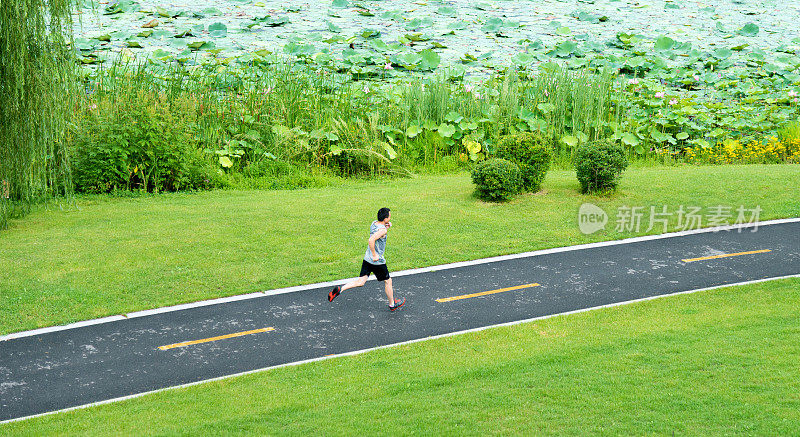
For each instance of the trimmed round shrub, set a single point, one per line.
(532, 152)
(497, 179)
(599, 165)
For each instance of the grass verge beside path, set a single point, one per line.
(120, 255)
(715, 362)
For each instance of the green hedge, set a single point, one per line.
(497, 179)
(599, 165)
(532, 152)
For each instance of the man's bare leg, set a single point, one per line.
(389, 291)
(359, 282)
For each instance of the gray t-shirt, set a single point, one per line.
(380, 244)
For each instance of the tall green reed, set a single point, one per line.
(324, 118)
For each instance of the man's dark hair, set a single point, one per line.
(383, 213)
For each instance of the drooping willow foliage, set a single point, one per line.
(37, 95)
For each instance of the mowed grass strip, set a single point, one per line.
(117, 255)
(715, 362)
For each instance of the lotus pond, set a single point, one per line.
(663, 77)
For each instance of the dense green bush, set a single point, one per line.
(275, 174)
(532, 152)
(271, 168)
(599, 165)
(497, 179)
(446, 164)
(134, 146)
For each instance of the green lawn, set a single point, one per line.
(709, 363)
(117, 255)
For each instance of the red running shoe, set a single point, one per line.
(397, 305)
(335, 292)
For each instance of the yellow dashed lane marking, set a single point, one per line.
(484, 293)
(688, 260)
(221, 337)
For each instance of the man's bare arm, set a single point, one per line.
(376, 236)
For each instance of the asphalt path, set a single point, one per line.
(74, 367)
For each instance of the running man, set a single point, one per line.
(373, 261)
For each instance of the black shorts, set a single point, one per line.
(380, 270)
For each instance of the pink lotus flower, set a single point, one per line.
(792, 93)
(673, 102)
(796, 100)
(388, 66)
(633, 81)
(660, 95)
(546, 94)
(696, 78)
(468, 88)
(366, 89)
(94, 106)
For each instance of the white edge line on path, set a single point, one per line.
(61, 328)
(194, 304)
(394, 274)
(434, 337)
